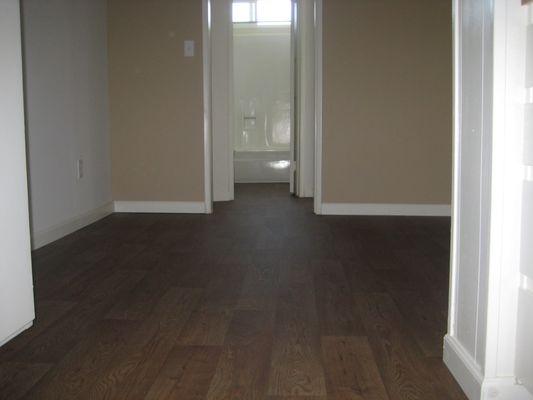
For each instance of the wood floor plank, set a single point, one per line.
(190, 270)
(242, 371)
(443, 383)
(51, 345)
(298, 398)
(134, 368)
(16, 379)
(376, 252)
(75, 288)
(351, 369)
(258, 291)
(362, 278)
(398, 357)
(241, 374)
(138, 304)
(46, 314)
(334, 302)
(191, 369)
(296, 363)
(422, 317)
(74, 375)
(226, 284)
(206, 327)
(186, 373)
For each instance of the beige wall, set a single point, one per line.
(156, 100)
(387, 101)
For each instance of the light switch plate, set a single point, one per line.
(188, 48)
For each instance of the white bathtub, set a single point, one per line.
(267, 166)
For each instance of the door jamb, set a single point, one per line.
(318, 105)
(207, 89)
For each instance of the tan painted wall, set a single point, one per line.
(156, 100)
(387, 101)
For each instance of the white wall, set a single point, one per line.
(480, 346)
(65, 49)
(16, 289)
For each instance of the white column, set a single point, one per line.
(222, 81)
(490, 212)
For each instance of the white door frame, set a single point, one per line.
(293, 93)
(207, 85)
(318, 105)
(207, 89)
(222, 101)
(305, 111)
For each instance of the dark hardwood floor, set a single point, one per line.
(261, 300)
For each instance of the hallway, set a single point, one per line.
(261, 300)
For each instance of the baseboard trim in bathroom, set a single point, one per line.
(425, 210)
(163, 207)
(44, 237)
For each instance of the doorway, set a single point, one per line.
(263, 77)
(263, 91)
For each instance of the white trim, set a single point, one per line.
(456, 156)
(231, 108)
(208, 152)
(44, 237)
(16, 333)
(435, 210)
(168, 207)
(468, 374)
(305, 112)
(318, 106)
(293, 82)
(222, 109)
(463, 367)
(505, 388)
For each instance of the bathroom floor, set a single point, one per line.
(261, 300)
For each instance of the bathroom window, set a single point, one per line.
(262, 12)
(243, 11)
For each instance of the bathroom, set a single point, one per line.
(262, 121)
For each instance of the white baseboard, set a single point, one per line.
(44, 237)
(16, 333)
(165, 207)
(467, 373)
(463, 367)
(504, 389)
(421, 210)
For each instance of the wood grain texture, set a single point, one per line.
(16, 379)
(261, 300)
(352, 372)
(397, 355)
(334, 301)
(186, 373)
(136, 365)
(242, 372)
(296, 367)
(80, 367)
